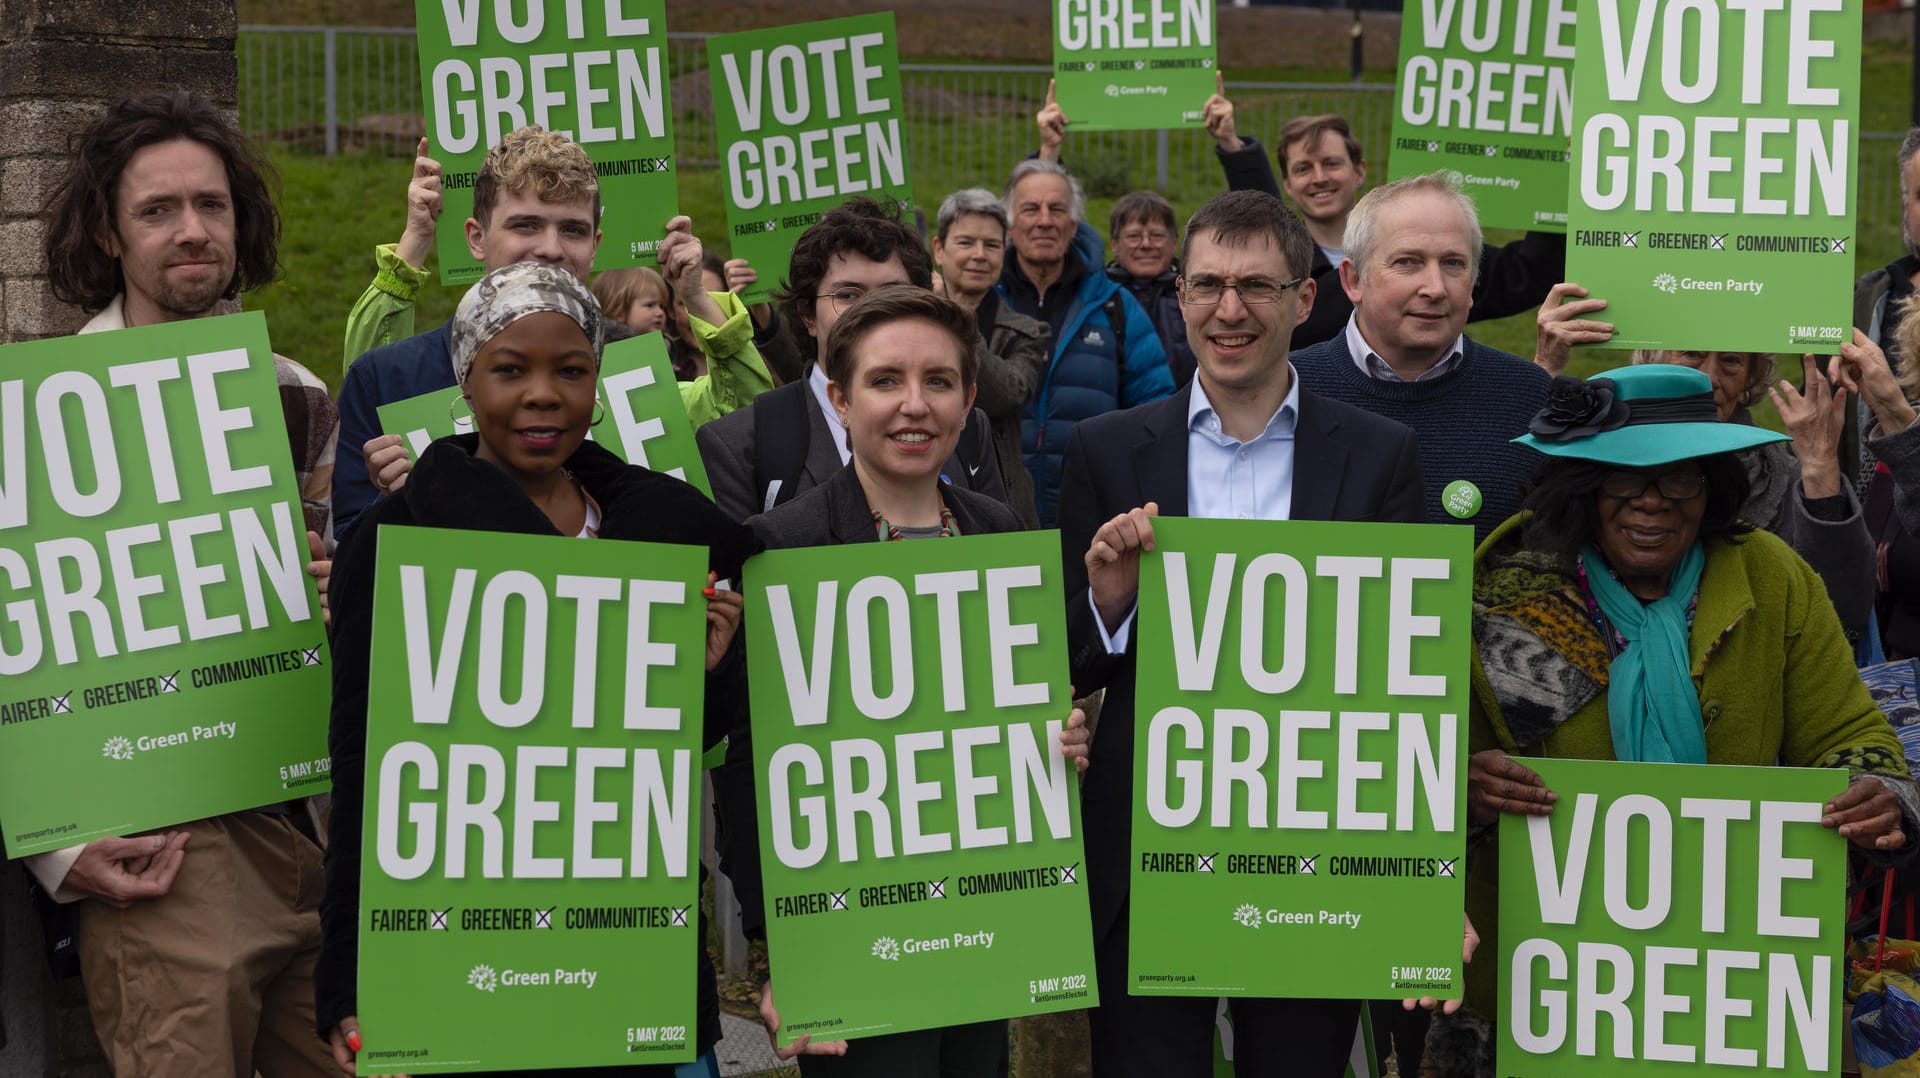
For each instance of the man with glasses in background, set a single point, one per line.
(1144, 235)
(1244, 439)
(1413, 249)
(790, 439)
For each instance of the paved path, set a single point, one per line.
(743, 1047)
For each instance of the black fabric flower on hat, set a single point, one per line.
(1578, 409)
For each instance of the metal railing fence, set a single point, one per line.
(330, 89)
(334, 88)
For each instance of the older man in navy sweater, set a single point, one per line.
(1413, 249)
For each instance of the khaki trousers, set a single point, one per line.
(215, 977)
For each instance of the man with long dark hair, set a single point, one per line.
(197, 943)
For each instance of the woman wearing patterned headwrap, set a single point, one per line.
(526, 353)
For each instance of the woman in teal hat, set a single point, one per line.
(1628, 613)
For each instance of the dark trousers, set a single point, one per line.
(971, 1051)
(1396, 1029)
(1172, 1036)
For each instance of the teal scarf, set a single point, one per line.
(1651, 702)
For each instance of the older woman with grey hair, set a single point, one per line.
(525, 347)
(969, 249)
(1797, 491)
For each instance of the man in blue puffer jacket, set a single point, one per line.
(1106, 353)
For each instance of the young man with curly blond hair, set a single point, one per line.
(536, 199)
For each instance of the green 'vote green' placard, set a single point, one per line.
(1486, 94)
(529, 879)
(1129, 64)
(1714, 154)
(643, 420)
(161, 650)
(805, 116)
(1299, 760)
(595, 72)
(1670, 919)
(919, 825)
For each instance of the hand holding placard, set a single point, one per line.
(723, 619)
(1499, 783)
(1866, 814)
(423, 210)
(1862, 370)
(1052, 122)
(1113, 562)
(387, 462)
(1469, 943)
(802, 1045)
(1562, 323)
(1814, 416)
(1218, 114)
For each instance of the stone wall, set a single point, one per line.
(60, 61)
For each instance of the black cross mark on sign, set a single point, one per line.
(543, 918)
(63, 705)
(170, 682)
(1306, 864)
(936, 888)
(311, 656)
(1067, 873)
(680, 916)
(1630, 239)
(1206, 862)
(837, 901)
(437, 919)
(1446, 868)
(1717, 243)
(1838, 247)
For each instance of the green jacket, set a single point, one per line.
(735, 372)
(1775, 675)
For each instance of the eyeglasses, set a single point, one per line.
(1136, 238)
(1254, 292)
(843, 297)
(1676, 486)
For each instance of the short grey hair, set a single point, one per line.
(969, 201)
(1033, 166)
(1908, 147)
(1362, 230)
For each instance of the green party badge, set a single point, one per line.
(1461, 499)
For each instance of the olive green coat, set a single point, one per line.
(1774, 672)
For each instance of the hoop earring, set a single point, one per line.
(600, 412)
(454, 418)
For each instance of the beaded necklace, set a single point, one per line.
(887, 533)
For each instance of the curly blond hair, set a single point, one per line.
(1906, 337)
(546, 164)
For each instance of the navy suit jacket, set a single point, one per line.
(1348, 464)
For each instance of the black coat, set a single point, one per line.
(451, 488)
(1348, 465)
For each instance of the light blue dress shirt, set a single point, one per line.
(1228, 479)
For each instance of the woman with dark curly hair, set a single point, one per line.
(1628, 613)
